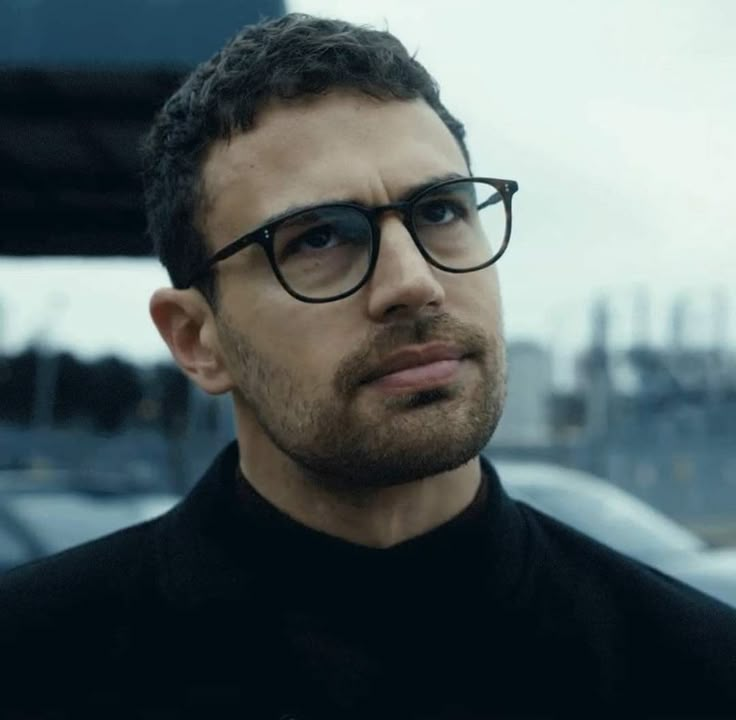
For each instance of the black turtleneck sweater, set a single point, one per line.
(401, 627)
(225, 607)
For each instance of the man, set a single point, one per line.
(351, 555)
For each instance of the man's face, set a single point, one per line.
(298, 369)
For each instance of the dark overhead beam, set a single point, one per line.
(80, 243)
(84, 199)
(42, 93)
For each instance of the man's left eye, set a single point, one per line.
(438, 212)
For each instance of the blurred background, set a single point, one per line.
(617, 121)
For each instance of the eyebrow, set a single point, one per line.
(403, 197)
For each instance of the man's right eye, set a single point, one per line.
(313, 240)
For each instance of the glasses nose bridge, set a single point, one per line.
(401, 208)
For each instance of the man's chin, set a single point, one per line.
(395, 456)
(411, 437)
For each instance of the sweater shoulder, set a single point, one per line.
(643, 621)
(100, 574)
(568, 558)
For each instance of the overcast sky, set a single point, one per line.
(618, 120)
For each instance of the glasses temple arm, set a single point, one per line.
(493, 200)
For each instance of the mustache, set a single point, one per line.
(359, 365)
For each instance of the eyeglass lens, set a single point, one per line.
(325, 252)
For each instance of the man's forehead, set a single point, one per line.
(342, 146)
(327, 136)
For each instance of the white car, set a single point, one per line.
(623, 522)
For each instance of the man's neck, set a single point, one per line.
(375, 517)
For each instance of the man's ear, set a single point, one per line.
(186, 323)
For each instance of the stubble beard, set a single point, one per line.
(342, 445)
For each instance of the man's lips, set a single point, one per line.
(417, 365)
(435, 373)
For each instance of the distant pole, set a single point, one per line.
(601, 324)
(2, 329)
(642, 318)
(598, 393)
(720, 321)
(47, 363)
(677, 324)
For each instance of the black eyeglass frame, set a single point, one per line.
(264, 234)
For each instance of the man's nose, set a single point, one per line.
(403, 282)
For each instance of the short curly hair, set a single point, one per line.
(290, 57)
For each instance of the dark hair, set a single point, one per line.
(292, 56)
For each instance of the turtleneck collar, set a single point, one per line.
(225, 538)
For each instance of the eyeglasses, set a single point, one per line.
(327, 252)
